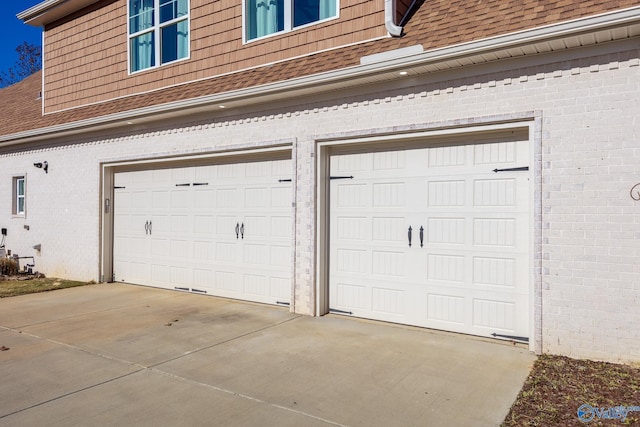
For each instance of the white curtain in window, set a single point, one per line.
(266, 17)
(183, 39)
(141, 15)
(141, 18)
(142, 52)
(327, 8)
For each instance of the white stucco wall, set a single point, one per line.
(586, 242)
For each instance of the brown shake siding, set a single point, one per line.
(86, 54)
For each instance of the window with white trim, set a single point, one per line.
(265, 17)
(158, 32)
(19, 196)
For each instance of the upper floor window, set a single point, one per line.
(19, 196)
(158, 32)
(264, 17)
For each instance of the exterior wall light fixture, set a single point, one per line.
(44, 165)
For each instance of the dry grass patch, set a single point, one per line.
(557, 386)
(14, 287)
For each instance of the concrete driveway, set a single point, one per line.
(112, 355)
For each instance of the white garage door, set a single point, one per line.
(433, 237)
(223, 230)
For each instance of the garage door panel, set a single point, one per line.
(281, 197)
(495, 153)
(352, 261)
(229, 281)
(226, 225)
(256, 197)
(222, 229)
(160, 275)
(205, 199)
(226, 198)
(226, 252)
(281, 227)
(203, 251)
(257, 227)
(494, 232)
(467, 272)
(387, 229)
(388, 263)
(446, 193)
(204, 225)
(446, 308)
(281, 288)
(352, 196)
(257, 285)
(158, 247)
(494, 271)
(161, 200)
(445, 230)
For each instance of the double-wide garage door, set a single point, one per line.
(436, 236)
(220, 229)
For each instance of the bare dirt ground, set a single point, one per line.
(566, 392)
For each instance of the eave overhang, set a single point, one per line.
(623, 24)
(50, 11)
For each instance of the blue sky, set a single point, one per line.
(13, 32)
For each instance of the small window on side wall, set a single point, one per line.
(19, 196)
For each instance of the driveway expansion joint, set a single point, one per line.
(237, 337)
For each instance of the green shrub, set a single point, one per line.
(8, 266)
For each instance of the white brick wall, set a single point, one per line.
(586, 230)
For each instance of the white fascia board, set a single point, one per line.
(320, 81)
(51, 10)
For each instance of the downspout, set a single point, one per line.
(389, 13)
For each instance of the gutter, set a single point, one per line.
(389, 18)
(322, 80)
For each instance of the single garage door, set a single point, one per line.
(436, 236)
(220, 229)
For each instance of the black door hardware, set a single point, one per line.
(242, 231)
(335, 310)
(237, 230)
(341, 177)
(421, 236)
(522, 168)
(409, 234)
(510, 337)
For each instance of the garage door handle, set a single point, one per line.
(242, 231)
(409, 234)
(150, 227)
(146, 227)
(237, 230)
(421, 236)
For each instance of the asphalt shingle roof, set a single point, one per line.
(436, 24)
